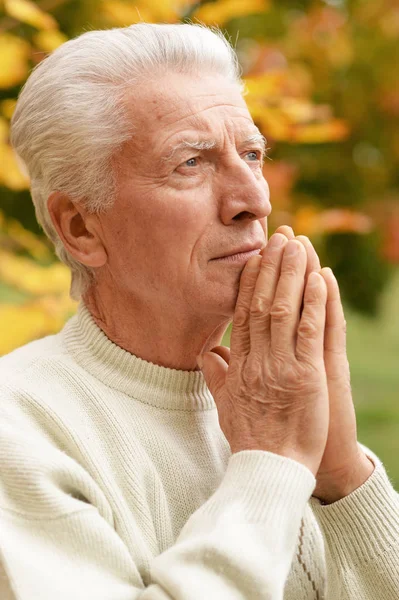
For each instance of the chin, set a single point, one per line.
(224, 304)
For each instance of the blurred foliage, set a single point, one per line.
(322, 85)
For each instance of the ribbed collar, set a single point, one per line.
(165, 388)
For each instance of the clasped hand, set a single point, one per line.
(284, 384)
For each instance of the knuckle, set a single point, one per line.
(308, 328)
(269, 261)
(260, 306)
(240, 317)
(281, 311)
(252, 376)
(289, 267)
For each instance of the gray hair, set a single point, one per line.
(70, 119)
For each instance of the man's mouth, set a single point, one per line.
(239, 258)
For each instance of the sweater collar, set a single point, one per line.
(147, 382)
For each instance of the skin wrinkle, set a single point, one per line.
(211, 144)
(157, 291)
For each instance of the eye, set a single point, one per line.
(191, 162)
(254, 155)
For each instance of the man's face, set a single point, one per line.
(178, 207)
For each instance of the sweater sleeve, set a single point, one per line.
(361, 534)
(58, 540)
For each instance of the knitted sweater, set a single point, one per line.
(117, 483)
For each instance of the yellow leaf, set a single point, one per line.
(341, 51)
(14, 56)
(274, 124)
(314, 133)
(224, 10)
(27, 240)
(21, 324)
(121, 13)
(298, 111)
(306, 221)
(30, 321)
(267, 86)
(168, 11)
(10, 173)
(8, 107)
(49, 40)
(30, 13)
(28, 276)
(4, 129)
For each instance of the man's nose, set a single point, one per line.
(243, 193)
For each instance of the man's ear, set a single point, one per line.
(75, 226)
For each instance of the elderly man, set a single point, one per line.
(126, 470)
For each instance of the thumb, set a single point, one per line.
(214, 369)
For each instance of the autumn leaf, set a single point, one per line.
(26, 240)
(28, 276)
(28, 12)
(10, 173)
(14, 56)
(123, 13)
(32, 320)
(309, 221)
(267, 86)
(8, 107)
(334, 130)
(220, 12)
(49, 40)
(4, 130)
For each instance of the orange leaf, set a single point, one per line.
(319, 133)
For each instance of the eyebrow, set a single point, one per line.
(210, 144)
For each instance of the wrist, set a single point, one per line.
(349, 481)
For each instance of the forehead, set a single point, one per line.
(177, 104)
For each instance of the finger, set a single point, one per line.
(223, 351)
(313, 263)
(286, 230)
(264, 293)
(311, 329)
(335, 335)
(240, 339)
(214, 369)
(286, 307)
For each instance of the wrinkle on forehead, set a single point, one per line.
(186, 94)
(177, 104)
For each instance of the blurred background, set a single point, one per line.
(323, 86)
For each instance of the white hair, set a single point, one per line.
(70, 119)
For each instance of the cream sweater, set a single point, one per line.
(117, 483)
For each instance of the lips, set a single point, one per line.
(241, 250)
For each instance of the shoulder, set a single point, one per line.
(29, 358)
(35, 384)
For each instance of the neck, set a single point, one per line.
(166, 337)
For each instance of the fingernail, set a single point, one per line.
(200, 362)
(276, 241)
(292, 248)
